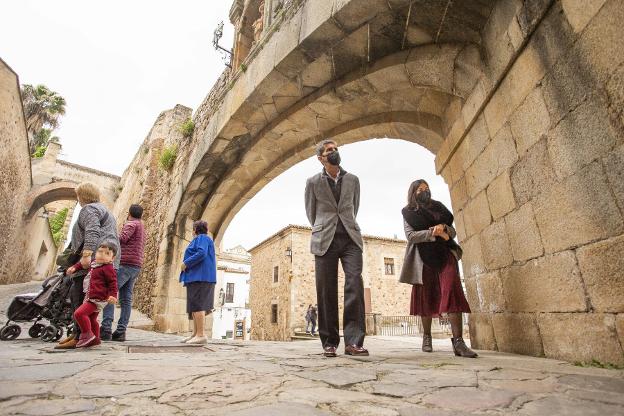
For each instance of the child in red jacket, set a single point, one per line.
(100, 287)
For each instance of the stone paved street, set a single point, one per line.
(153, 374)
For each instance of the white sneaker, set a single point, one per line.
(184, 341)
(197, 340)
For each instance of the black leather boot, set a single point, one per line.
(461, 349)
(427, 345)
(119, 336)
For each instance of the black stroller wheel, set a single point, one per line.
(51, 333)
(36, 330)
(59, 334)
(10, 332)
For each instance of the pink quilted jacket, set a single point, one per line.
(132, 239)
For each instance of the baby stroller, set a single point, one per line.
(51, 303)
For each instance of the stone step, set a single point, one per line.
(302, 338)
(304, 334)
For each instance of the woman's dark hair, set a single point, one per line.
(200, 227)
(412, 202)
(136, 211)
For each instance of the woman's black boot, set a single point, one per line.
(427, 344)
(461, 349)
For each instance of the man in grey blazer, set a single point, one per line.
(332, 199)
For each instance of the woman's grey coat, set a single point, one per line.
(411, 272)
(92, 229)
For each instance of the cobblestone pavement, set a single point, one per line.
(153, 374)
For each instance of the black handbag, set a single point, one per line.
(68, 257)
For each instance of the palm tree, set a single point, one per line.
(42, 108)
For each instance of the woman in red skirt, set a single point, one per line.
(430, 265)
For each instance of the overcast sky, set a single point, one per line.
(120, 63)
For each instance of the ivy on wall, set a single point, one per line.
(168, 157)
(56, 225)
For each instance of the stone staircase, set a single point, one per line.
(301, 335)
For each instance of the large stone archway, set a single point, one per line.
(520, 102)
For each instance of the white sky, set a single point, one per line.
(120, 63)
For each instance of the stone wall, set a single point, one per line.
(536, 183)
(146, 183)
(296, 288)
(15, 180)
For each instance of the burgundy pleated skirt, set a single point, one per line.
(441, 291)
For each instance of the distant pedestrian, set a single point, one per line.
(132, 241)
(199, 276)
(430, 265)
(313, 318)
(332, 199)
(310, 318)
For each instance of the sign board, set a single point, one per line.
(239, 329)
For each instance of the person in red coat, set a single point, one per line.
(100, 287)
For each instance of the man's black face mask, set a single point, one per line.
(334, 158)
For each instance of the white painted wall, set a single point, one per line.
(226, 314)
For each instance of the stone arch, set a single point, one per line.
(406, 126)
(309, 67)
(393, 97)
(55, 191)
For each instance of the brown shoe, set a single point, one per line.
(461, 349)
(355, 350)
(329, 351)
(63, 341)
(69, 345)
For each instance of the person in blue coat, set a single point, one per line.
(199, 276)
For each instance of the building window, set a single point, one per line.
(389, 265)
(273, 314)
(275, 274)
(229, 293)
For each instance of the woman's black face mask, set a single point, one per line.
(424, 196)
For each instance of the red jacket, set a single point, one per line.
(132, 239)
(103, 282)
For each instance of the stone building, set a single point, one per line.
(283, 285)
(231, 318)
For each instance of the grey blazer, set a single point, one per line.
(323, 211)
(411, 272)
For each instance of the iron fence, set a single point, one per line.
(393, 325)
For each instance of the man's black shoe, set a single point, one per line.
(106, 336)
(119, 336)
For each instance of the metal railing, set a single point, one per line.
(404, 325)
(393, 325)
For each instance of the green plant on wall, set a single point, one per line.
(39, 151)
(56, 225)
(187, 128)
(168, 157)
